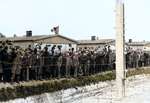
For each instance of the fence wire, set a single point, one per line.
(102, 92)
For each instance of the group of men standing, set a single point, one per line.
(137, 58)
(24, 65)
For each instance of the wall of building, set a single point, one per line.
(136, 47)
(111, 43)
(23, 44)
(89, 46)
(55, 40)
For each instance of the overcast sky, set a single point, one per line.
(78, 19)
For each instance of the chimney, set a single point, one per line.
(97, 38)
(130, 40)
(28, 33)
(143, 40)
(92, 37)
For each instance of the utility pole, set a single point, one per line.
(120, 50)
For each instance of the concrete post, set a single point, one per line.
(120, 49)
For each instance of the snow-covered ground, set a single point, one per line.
(137, 90)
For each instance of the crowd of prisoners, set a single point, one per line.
(17, 64)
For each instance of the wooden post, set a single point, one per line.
(120, 50)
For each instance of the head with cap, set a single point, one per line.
(5, 48)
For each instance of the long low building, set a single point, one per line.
(24, 42)
(139, 45)
(57, 39)
(82, 44)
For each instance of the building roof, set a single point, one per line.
(34, 38)
(100, 41)
(137, 43)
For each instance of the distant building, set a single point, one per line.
(58, 39)
(82, 44)
(139, 45)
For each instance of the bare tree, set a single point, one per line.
(2, 36)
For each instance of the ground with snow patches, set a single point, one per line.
(137, 91)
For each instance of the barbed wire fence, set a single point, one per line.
(103, 91)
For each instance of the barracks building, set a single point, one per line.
(57, 39)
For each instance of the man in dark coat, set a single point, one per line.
(1, 68)
(146, 55)
(32, 66)
(100, 63)
(24, 65)
(8, 56)
(47, 64)
(127, 59)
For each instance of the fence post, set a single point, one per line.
(120, 50)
